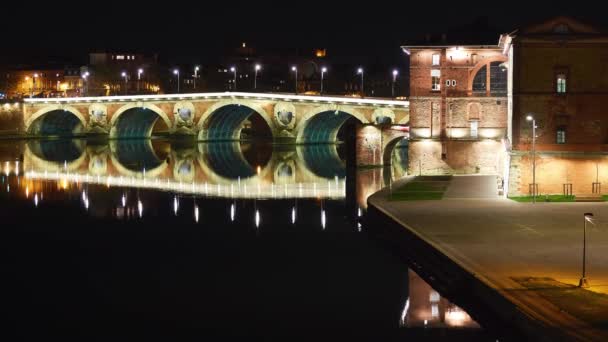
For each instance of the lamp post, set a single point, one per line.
(360, 72)
(126, 77)
(196, 69)
(531, 118)
(255, 77)
(395, 73)
(233, 69)
(85, 78)
(139, 72)
(295, 69)
(323, 71)
(34, 84)
(176, 72)
(586, 217)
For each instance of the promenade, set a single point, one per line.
(502, 243)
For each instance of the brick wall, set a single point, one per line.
(462, 157)
(555, 169)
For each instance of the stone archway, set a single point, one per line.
(139, 121)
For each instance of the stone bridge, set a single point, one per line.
(209, 116)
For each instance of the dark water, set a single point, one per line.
(155, 239)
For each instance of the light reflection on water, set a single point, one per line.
(219, 187)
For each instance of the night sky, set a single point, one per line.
(182, 32)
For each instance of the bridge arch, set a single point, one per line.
(224, 120)
(136, 121)
(56, 120)
(136, 158)
(322, 124)
(55, 155)
(391, 145)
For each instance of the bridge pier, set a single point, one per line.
(375, 143)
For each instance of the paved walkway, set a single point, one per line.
(497, 239)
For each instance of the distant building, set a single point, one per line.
(43, 82)
(123, 72)
(458, 107)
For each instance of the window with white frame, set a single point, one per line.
(561, 135)
(447, 83)
(436, 59)
(453, 83)
(435, 79)
(561, 83)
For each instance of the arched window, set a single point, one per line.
(479, 82)
(498, 77)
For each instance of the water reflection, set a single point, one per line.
(216, 169)
(216, 221)
(426, 308)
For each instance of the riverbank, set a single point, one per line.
(474, 242)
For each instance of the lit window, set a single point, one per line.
(436, 59)
(561, 83)
(435, 75)
(453, 83)
(120, 57)
(474, 128)
(561, 135)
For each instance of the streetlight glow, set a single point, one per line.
(323, 71)
(255, 77)
(295, 69)
(176, 72)
(233, 70)
(360, 72)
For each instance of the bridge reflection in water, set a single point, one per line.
(230, 169)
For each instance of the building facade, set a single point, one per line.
(559, 79)
(458, 108)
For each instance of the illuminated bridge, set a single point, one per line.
(209, 116)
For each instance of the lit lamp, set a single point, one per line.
(531, 118)
(85, 77)
(233, 70)
(126, 77)
(176, 72)
(360, 72)
(295, 69)
(196, 69)
(588, 217)
(139, 72)
(255, 78)
(395, 73)
(323, 71)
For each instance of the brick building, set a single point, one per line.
(458, 107)
(560, 78)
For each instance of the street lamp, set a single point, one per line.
(255, 77)
(34, 84)
(85, 77)
(176, 72)
(395, 73)
(587, 217)
(196, 69)
(323, 71)
(139, 72)
(360, 72)
(531, 118)
(233, 69)
(126, 77)
(295, 69)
